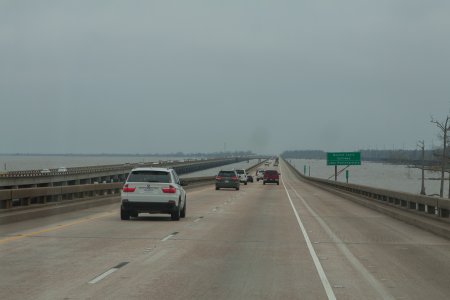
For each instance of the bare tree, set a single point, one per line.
(444, 127)
(421, 145)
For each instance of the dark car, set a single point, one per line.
(227, 179)
(271, 176)
(249, 178)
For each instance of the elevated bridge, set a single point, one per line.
(304, 239)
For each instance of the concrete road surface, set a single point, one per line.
(292, 241)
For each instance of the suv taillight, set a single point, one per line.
(218, 178)
(234, 178)
(169, 190)
(127, 189)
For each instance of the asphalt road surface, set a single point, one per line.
(292, 241)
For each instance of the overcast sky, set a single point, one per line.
(167, 76)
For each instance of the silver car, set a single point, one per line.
(154, 191)
(259, 174)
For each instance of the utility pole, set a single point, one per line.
(421, 145)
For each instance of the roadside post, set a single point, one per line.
(346, 175)
(304, 170)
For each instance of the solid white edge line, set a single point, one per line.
(312, 252)
(351, 258)
(102, 276)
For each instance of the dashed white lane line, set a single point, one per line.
(107, 273)
(103, 276)
(169, 236)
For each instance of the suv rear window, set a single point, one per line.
(149, 176)
(240, 171)
(271, 172)
(227, 173)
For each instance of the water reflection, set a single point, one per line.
(385, 176)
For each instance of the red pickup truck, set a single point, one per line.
(271, 176)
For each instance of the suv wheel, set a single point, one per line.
(217, 188)
(124, 215)
(183, 211)
(245, 183)
(175, 216)
(264, 182)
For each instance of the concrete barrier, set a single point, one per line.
(428, 213)
(65, 199)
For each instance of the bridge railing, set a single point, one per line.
(26, 197)
(112, 168)
(426, 204)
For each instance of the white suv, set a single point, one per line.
(154, 191)
(242, 176)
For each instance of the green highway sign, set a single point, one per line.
(343, 158)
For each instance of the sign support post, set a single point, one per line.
(341, 159)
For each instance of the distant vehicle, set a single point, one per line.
(259, 174)
(242, 176)
(275, 164)
(271, 176)
(249, 178)
(153, 191)
(62, 169)
(227, 179)
(267, 163)
(45, 171)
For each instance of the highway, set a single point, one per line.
(292, 241)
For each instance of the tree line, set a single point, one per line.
(388, 156)
(421, 158)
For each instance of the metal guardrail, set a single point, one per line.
(42, 195)
(426, 204)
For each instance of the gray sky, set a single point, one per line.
(167, 76)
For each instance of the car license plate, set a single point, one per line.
(149, 189)
(226, 181)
